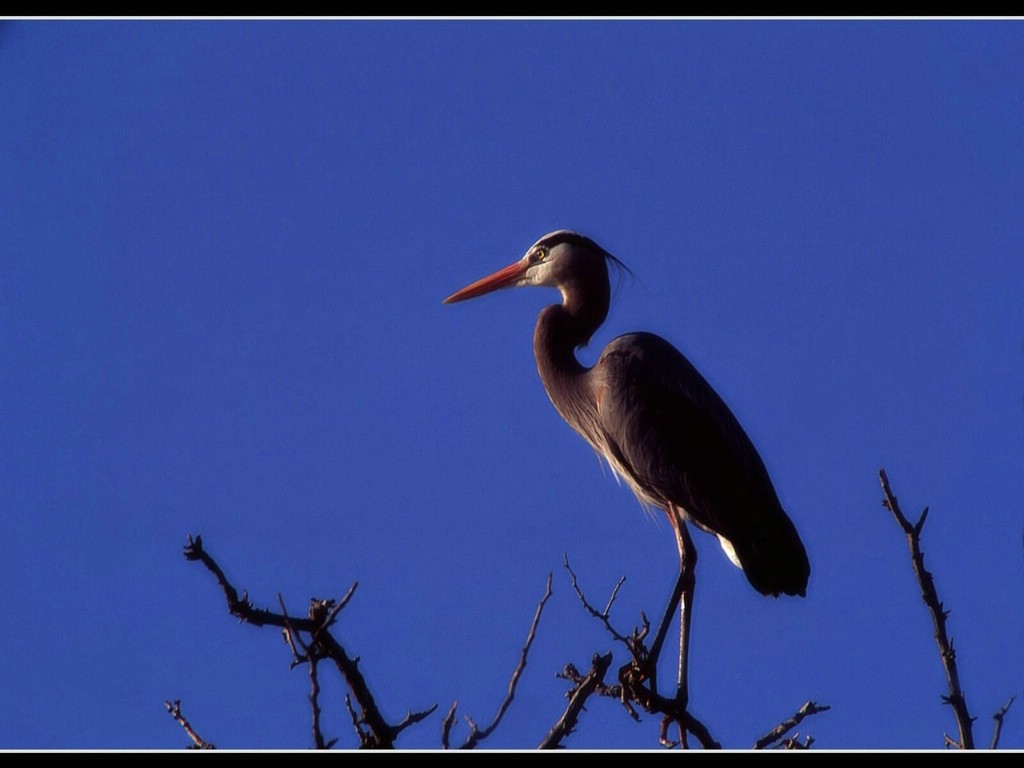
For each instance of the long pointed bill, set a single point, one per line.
(503, 278)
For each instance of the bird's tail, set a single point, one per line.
(773, 558)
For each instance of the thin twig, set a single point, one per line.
(174, 708)
(308, 655)
(955, 698)
(314, 702)
(292, 637)
(476, 735)
(586, 686)
(998, 717)
(446, 725)
(611, 598)
(776, 733)
(411, 718)
(365, 740)
(633, 675)
(381, 734)
(602, 616)
(333, 616)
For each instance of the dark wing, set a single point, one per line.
(680, 444)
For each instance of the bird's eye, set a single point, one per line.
(537, 255)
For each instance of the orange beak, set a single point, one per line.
(503, 278)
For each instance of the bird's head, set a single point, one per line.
(558, 260)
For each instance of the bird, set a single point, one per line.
(660, 426)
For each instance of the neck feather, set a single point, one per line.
(561, 329)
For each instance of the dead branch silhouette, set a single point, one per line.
(174, 709)
(311, 642)
(926, 581)
(477, 734)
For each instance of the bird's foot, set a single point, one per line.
(638, 683)
(666, 728)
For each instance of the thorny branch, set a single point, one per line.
(930, 596)
(174, 709)
(776, 733)
(322, 645)
(476, 734)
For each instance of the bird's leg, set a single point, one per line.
(682, 595)
(659, 637)
(687, 582)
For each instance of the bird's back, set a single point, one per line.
(673, 439)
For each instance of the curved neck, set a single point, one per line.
(561, 328)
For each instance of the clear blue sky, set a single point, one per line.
(223, 250)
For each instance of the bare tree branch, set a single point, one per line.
(240, 606)
(634, 675)
(776, 733)
(930, 596)
(310, 657)
(794, 743)
(632, 642)
(383, 736)
(611, 598)
(446, 725)
(578, 698)
(998, 717)
(314, 702)
(613, 691)
(476, 734)
(174, 709)
(411, 718)
(292, 637)
(365, 739)
(333, 616)
(323, 645)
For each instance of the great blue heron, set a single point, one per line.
(658, 423)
